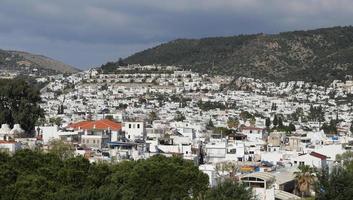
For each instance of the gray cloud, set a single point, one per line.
(90, 32)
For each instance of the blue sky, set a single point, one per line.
(87, 33)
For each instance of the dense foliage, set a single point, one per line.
(209, 105)
(229, 190)
(336, 185)
(37, 175)
(318, 55)
(19, 104)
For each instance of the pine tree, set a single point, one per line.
(268, 122)
(275, 121)
(280, 122)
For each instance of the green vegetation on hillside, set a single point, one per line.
(26, 63)
(318, 55)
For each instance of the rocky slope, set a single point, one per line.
(27, 63)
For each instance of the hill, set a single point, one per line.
(319, 55)
(27, 63)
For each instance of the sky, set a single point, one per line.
(88, 33)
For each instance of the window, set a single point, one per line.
(83, 140)
(301, 163)
(187, 152)
(134, 126)
(295, 162)
(233, 151)
(138, 125)
(129, 125)
(94, 141)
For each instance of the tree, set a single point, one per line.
(291, 127)
(253, 121)
(121, 62)
(299, 112)
(232, 123)
(244, 115)
(280, 122)
(179, 116)
(56, 121)
(19, 104)
(229, 190)
(38, 175)
(268, 122)
(316, 113)
(222, 130)
(61, 149)
(167, 178)
(274, 106)
(345, 158)
(61, 109)
(275, 121)
(336, 185)
(209, 125)
(152, 116)
(351, 127)
(305, 179)
(330, 128)
(209, 105)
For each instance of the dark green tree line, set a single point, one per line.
(37, 175)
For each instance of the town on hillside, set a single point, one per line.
(259, 133)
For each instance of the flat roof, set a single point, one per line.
(260, 175)
(283, 195)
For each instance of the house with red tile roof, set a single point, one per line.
(104, 124)
(96, 134)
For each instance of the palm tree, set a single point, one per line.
(305, 178)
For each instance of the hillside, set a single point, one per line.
(26, 63)
(316, 55)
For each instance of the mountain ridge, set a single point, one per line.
(26, 63)
(319, 55)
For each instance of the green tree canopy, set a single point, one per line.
(229, 190)
(19, 104)
(37, 175)
(233, 123)
(336, 185)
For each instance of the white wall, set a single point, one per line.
(9, 147)
(49, 133)
(134, 130)
(272, 157)
(308, 160)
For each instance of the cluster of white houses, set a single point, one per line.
(132, 115)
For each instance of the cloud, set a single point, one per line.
(90, 32)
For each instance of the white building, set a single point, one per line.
(134, 130)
